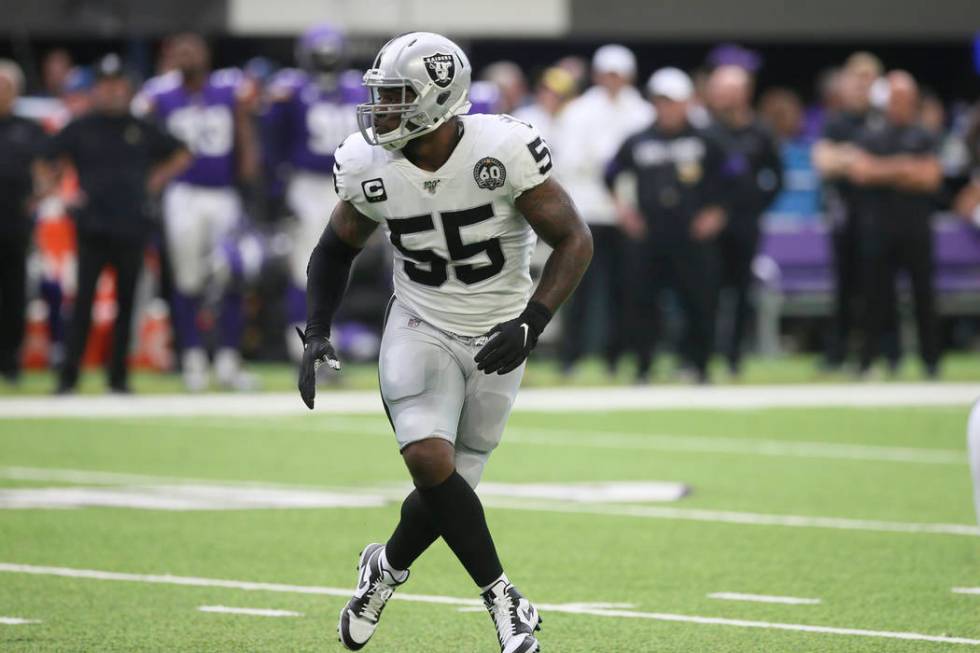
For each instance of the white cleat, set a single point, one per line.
(515, 618)
(359, 618)
(229, 374)
(194, 370)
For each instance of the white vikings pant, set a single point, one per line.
(312, 198)
(973, 444)
(195, 220)
(431, 388)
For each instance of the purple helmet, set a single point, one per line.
(322, 50)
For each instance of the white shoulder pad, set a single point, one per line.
(354, 163)
(528, 156)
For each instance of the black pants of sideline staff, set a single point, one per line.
(13, 282)
(737, 247)
(687, 267)
(95, 252)
(888, 250)
(603, 283)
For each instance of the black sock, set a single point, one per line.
(458, 515)
(413, 535)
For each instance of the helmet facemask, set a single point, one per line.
(413, 121)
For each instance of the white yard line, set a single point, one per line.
(967, 590)
(612, 510)
(17, 621)
(576, 609)
(762, 598)
(734, 517)
(530, 399)
(252, 612)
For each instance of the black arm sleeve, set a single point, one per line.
(326, 280)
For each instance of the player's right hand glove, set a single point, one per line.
(316, 351)
(511, 341)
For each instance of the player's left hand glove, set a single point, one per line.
(316, 351)
(512, 341)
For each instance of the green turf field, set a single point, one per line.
(879, 569)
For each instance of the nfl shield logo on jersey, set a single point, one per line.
(489, 173)
(441, 68)
(431, 185)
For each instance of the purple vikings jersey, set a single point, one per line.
(304, 123)
(204, 120)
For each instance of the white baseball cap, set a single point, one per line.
(671, 83)
(614, 59)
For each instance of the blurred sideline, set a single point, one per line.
(531, 399)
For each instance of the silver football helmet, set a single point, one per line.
(437, 73)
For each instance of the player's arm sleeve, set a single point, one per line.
(329, 268)
(530, 161)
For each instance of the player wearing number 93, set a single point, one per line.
(209, 112)
(462, 198)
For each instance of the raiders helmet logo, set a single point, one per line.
(489, 173)
(441, 68)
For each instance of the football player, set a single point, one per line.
(209, 112)
(310, 112)
(461, 197)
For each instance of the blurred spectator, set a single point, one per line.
(967, 202)
(310, 112)
(510, 81)
(679, 191)
(831, 156)
(799, 200)
(578, 68)
(829, 102)
(554, 90)
(732, 54)
(592, 127)
(75, 93)
(55, 68)
(932, 114)
(898, 172)
(754, 178)
(120, 160)
(211, 112)
(20, 142)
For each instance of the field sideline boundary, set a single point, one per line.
(566, 608)
(577, 399)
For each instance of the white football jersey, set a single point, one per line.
(462, 249)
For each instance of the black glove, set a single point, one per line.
(512, 341)
(316, 351)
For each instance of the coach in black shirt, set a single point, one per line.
(121, 160)
(679, 191)
(898, 174)
(832, 154)
(753, 172)
(20, 142)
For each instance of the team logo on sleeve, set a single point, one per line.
(441, 68)
(374, 190)
(489, 173)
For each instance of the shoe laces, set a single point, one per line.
(503, 610)
(375, 599)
